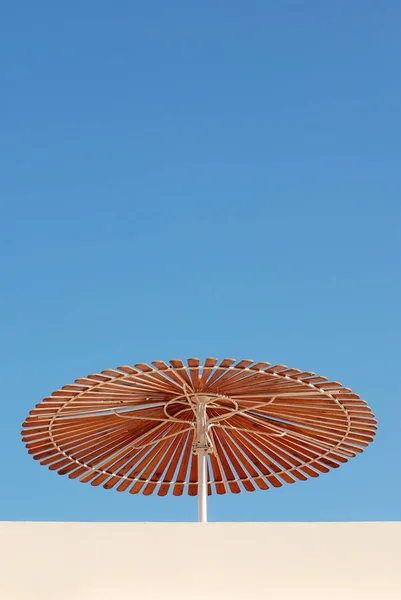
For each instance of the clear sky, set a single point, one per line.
(215, 178)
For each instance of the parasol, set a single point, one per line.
(216, 427)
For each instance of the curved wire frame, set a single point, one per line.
(135, 427)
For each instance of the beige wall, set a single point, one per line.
(95, 561)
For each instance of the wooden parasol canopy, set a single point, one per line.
(217, 427)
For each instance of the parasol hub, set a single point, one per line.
(202, 449)
(201, 444)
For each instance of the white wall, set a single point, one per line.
(95, 561)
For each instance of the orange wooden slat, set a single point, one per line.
(208, 367)
(193, 366)
(182, 443)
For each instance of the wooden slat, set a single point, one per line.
(243, 460)
(168, 372)
(234, 459)
(276, 369)
(163, 464)
(239, 380)
(182, 444)
(227, 470)
(259, 366)
(216, 469)
(150, 465)
(112, 373)
(266, 467)
(220, 370)
(182, 471)
(134, 466)
(128, 369)
(208, 367)
(180, 368)
(193, 365)
(290, 373)
(327, 436)
(286, 462)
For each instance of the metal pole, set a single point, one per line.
(201, 449)
(202, 488)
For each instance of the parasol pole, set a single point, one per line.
(201, 448)
(202, 491)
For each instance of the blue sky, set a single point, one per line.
(201, 179)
